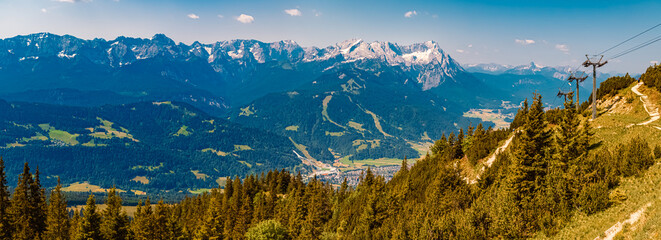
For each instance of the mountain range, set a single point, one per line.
(351, 101)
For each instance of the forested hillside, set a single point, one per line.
(143, 146)
(357, 114)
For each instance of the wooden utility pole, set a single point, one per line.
(594, 65)
(578, 80)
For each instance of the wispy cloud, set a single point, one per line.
(193, 16)
(563, 48)
(460, 50)
(43, 10)
(470, 45)
(316, 13)
(293, 12)
(654, 62)
(220, 16)
(243, 18)
(410, 14)
(524, 41)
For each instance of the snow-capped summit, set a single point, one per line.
(426, 62)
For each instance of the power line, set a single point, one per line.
(629, 39)
(639, 46)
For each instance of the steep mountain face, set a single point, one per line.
(145, 146)
(357, 114)
(214, 75)
(427, 62)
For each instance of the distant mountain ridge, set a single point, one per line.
(220, 67)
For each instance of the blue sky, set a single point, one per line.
(472, 31)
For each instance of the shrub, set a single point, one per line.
(269, 229)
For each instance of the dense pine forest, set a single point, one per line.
(552, 170)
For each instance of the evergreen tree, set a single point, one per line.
(21, 207)
(176, 231)
(212, 226)
(143, 225)
(58, 217)
(115, 225)
(75, 225)
(529, 167)
(90, 224)
(38, 205)
(5, 218)
(161, 213)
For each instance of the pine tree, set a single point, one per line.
(90, 224)
(75, 225)
(58, 217)
(115, 225)
(21, 207)
(243, 217)
(529, 166)
(38, 205)
(5, 218)
(143, 225)
(212, 226)
(176, 231)
(161, 213)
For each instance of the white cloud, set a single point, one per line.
(243, 18)
(563, 48)
(43, 10)
(220, 16)
(193, 16)
(410, 14)
(460, 50)
(470, 45)
(524, 41)
(293, 12)
(654, 62)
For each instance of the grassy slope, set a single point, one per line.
(611, 129)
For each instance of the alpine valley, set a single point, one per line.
(142, 113)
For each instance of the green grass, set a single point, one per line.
(65, 137)
(242, 148)
(148, 168)
(183, 131)
(292, 128)
(356, 126)
(246, 163)
(364, 163)
(92, 144)
(335, 134)
(247, 111)
(199, 190)
(44, 126)
(611, 129)
(37, 137)
(219, 153)
(639, 192)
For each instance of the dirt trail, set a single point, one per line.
(490, 160)
(500, 149)
(635, 216)
(649, 107)
(615, 229)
